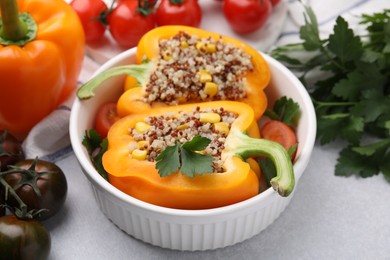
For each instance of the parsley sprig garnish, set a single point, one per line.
(352, 93)
(96, 147)
(185, 158)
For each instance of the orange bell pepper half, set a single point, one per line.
(40, 60)
(132, 101)
(140, 178)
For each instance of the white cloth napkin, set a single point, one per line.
(49, 139)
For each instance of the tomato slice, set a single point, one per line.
(280, 132)
(105, 118)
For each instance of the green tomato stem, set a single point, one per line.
(240, 144)
(140, 72)
(8, 188)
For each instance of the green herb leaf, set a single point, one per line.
(96, 147)
(193, 162)
(285, 110)
(343, 43)
(365, 161)
(309, 32)
(168, 161)
(197, 143)
(351, 163)
(267, 168)
(185, 158)
(352, 92)
(292, 150)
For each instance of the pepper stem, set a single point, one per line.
(15, 28)
(140, 72)
(242, 145)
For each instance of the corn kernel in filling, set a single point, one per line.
(166, 130)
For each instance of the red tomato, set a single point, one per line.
(151, 3)
(92, 15)
(179, 12)
(11, 150)
(278, 131)
(105, 118)
(246, 16)
(128, 22)
(274, 2)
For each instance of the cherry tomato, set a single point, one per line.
(105, 118)
(49, 180)
(10, 150)
(92, 16)
(246, 16)
(279, 132)
(179, 12)
(128, 22)
(150, 3)
(23, 239)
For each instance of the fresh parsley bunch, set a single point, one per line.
(351, 92)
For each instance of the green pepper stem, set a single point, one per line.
(245, 147)
(140, 72)
(13, 27)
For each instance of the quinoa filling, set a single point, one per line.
(198, 69)
(156, 133)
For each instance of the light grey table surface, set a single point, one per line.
(329, 217)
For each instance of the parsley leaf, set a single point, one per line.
(343, 43)
(366, 161)
(96, 147)
(193, 162)
(168, 161)
(185, 158)
(350, 163)
(351, 93)
(285, 110)
(309, 32)
(197, 143)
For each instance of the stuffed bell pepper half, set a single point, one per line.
(179, 65)
(193, 156)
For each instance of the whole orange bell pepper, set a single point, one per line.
(148, 49)
(41, 54)
(141, 179)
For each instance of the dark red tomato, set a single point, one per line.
(278, 131)
(275, 2)
(49, 180)
(23, 239)
(10, 150)
(92, 15)
(246, 16)
(105, 118)
(179, 12)
(128, 22)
